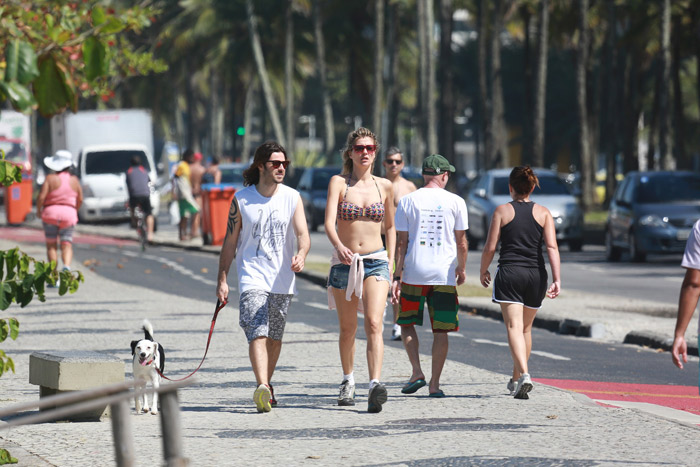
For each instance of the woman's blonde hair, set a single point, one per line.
(353, 136)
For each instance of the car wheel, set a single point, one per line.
(612, 253)
(635, 254)
(576, 244)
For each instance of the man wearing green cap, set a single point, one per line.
(431, 256)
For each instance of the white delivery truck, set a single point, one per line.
(15, 140)
(103, 142)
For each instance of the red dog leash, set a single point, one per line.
(219, 306)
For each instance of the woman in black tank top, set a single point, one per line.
(520, 284)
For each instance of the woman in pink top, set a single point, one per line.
(57, 205)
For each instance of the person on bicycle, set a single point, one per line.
(137, 182)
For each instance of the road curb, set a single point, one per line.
(564, 326)
(656, 341)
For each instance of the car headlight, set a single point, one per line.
(319, 203)
(652, 220)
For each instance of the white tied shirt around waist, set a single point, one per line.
(355, 277)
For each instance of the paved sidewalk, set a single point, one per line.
(477, 424)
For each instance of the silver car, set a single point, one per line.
(491, 190)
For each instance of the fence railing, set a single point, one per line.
(118, 396)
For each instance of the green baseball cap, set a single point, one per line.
(435, 164)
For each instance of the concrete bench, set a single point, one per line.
(74, 370)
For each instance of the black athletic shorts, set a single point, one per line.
(518, 284)
(144, 202)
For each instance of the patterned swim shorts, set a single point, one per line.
(443, 306)
(263, 314)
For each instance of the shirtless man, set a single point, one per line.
(196, 172)
(393, 163)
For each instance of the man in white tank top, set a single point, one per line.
(264, 219)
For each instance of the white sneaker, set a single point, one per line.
(523, 387)
(511, 387)
(396, 333)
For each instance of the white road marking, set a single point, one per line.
(320, 306)
(172, 264)
(536, 352)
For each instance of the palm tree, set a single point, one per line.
(540, 90)
(378, 76)
(484, 99)
(289, 76)
(262, 73)
(446, 78)
(665, 141)
(328, 125)
(499, 156)
(584, 147)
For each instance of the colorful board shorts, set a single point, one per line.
(520, 285)
(263, 314)
(443, 306)
(186, 208)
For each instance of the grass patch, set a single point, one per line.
(472, 290)
(595, 218)
(320, 268)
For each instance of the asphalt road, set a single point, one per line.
(481, 342)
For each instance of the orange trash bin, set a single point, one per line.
(18, 200)
(216, 203)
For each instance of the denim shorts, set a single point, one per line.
(338, 275)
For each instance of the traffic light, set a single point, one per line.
(240, 131)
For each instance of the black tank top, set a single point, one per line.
(521, 239)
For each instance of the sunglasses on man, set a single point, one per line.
(358, 148)
(393, 161)
(276, 164)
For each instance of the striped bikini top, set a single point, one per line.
(349, 212)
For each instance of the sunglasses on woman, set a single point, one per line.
(359, 148)
(276, 164)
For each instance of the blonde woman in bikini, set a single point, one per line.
(358, 205)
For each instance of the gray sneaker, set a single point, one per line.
(511, 387)
(376, 398)
(347, 394)
(523, 387)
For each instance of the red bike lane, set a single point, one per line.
(684, 398)
(23, 234)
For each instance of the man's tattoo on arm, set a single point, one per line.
(233, 213)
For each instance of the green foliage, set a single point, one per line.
(6, 458)
(54, 52)
(9, 327)
(9, 173)
(23, 277)
(307, 158)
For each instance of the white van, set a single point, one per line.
(102, 172)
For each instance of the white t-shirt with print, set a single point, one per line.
(430, 216)
(691, 257)
(266, 241)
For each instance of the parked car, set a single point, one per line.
(293, 175)
(232, 174)
(313, 188)
(652, 212)
(490, 190)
